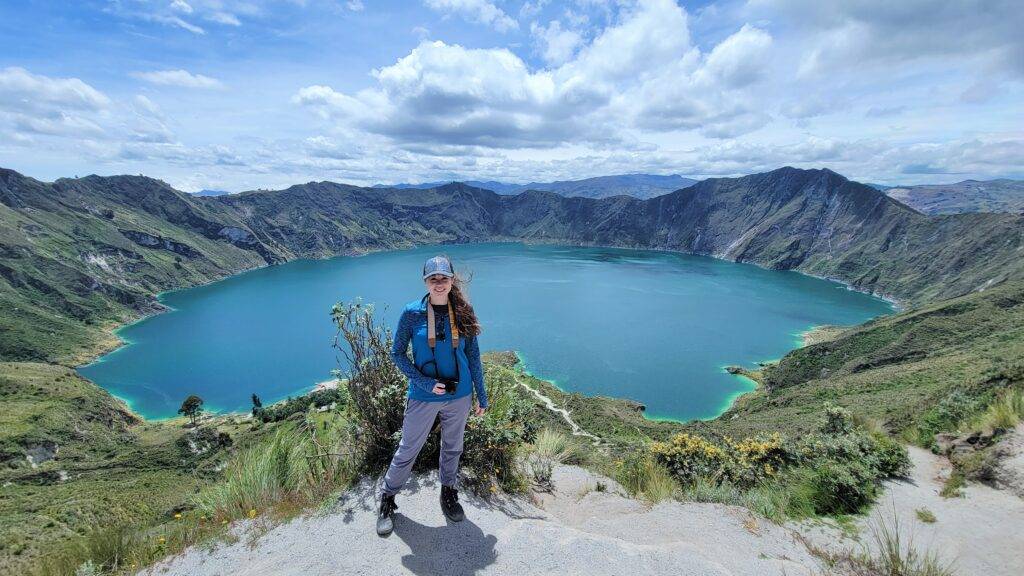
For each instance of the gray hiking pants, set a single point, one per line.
(419, 418)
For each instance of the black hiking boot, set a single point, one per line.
(450, 504)
(385, 516)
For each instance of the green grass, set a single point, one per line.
(558, 447)
(1005, 412)
(776, 500)
(925, 515)
(644, 478)
(954, 485)
(302, 464)
(890, 551)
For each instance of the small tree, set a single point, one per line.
(256, 403)
(376, 386)
(191, 407)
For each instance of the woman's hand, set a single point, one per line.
(438, 388)
(479, 411)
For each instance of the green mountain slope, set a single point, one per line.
(95, 464)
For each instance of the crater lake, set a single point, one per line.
(655, 327)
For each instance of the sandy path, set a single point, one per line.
(596, 533)
(550, 405)
(982, 532)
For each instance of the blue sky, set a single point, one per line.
(240, 95)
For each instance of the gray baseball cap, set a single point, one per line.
(437, 265)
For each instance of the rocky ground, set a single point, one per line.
(1009, 456)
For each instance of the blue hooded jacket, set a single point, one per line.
(412, 326)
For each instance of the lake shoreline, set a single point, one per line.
(109, 346)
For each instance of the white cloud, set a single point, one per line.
(62, 107)
(181, 6)
(20, 89)
(889, 92)
(325, 147)
(148, 123)
(481, 11)
(182, 78)
(740, 59)
(59, 124)
(175, 21)
(886, 32)
(640, 73)
(355, 5)
(183, 13)
(226, 18)
(555, 45)
(531, 9)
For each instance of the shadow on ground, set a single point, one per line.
(457, 548)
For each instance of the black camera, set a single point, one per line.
(450, 384)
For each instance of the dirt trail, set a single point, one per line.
(982, 532)
(550, 405)
(575, 530)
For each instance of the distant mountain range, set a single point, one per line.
(967, 196)
(637, 185)
(205, 192)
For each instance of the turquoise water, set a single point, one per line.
(657, 327)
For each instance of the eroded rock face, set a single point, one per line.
(1008, 469)
(159, 242)
(237, 235)
(36, 454)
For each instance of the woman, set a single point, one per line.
(443, 374)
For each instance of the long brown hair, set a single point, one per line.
(465, 316)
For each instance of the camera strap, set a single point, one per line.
(432, 335)
(432, 329)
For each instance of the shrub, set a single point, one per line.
(893, 459)
(642, 476)
(946, 415)
(377, 390)
(832, 471)
(757, 459)
(847, 462)
(842, 487)
(838, 420)
(746, 462)
(376, 386)
(689, 457)
(318, 399)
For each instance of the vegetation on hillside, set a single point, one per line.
(95, 464)
(916, 374)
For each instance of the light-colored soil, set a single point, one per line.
(982, 532)
(582, 529)
(576, 530)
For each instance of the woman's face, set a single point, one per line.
(438, 286)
